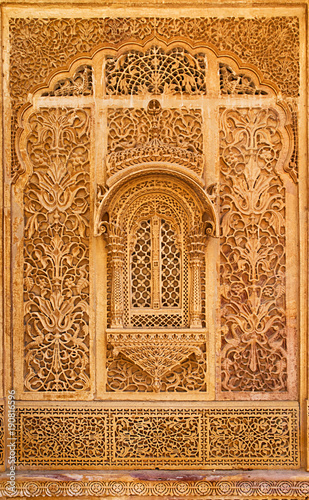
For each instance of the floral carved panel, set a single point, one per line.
(56, 252)
(138, 135)
(253, 257)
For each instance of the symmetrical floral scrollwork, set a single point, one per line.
(254, 433)
(156, 72)
(79, 84)
(253, 308)
(159, 438)
(136, 136)
(196, 436)
(56, 251)
(237, 84)
(160, 362)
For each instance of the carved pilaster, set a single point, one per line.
(196, 251)
(116, 253)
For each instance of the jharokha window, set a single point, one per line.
(157, 232)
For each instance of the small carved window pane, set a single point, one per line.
(156, 266)
(141, 267)
(170, 266)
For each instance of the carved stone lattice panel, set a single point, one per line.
(156, 362)
(79, 84)
(232, 83)
(253, 259)
(136, 136)
(156, 72)
(56, 252)
(175, 437)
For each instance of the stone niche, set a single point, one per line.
(155, 258)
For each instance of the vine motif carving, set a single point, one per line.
(199, 437)
(79, 84)
(292, 168)
(38, 46)
(56, 251)
(136, 136)
(237, 84)
(254, 345)
(159, 362)
(159, 438)
(156, 72)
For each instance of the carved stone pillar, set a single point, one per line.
(116, 254)
(196, 250)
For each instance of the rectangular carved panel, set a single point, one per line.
(156, 436)
(138, 135)
(56, 252)
(253, 256)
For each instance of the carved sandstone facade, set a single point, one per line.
(155, 166)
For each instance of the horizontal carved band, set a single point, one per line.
(174, 437)
(264, 489)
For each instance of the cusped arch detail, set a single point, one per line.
(188, 189)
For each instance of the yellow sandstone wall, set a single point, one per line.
(154, 254)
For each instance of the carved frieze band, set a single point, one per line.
(174, 437)
(253, 304)
(207, 489)
(138, 135)
(56, 252)
(54, 41)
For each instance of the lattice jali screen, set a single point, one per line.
(187, 437)
(153, 254)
